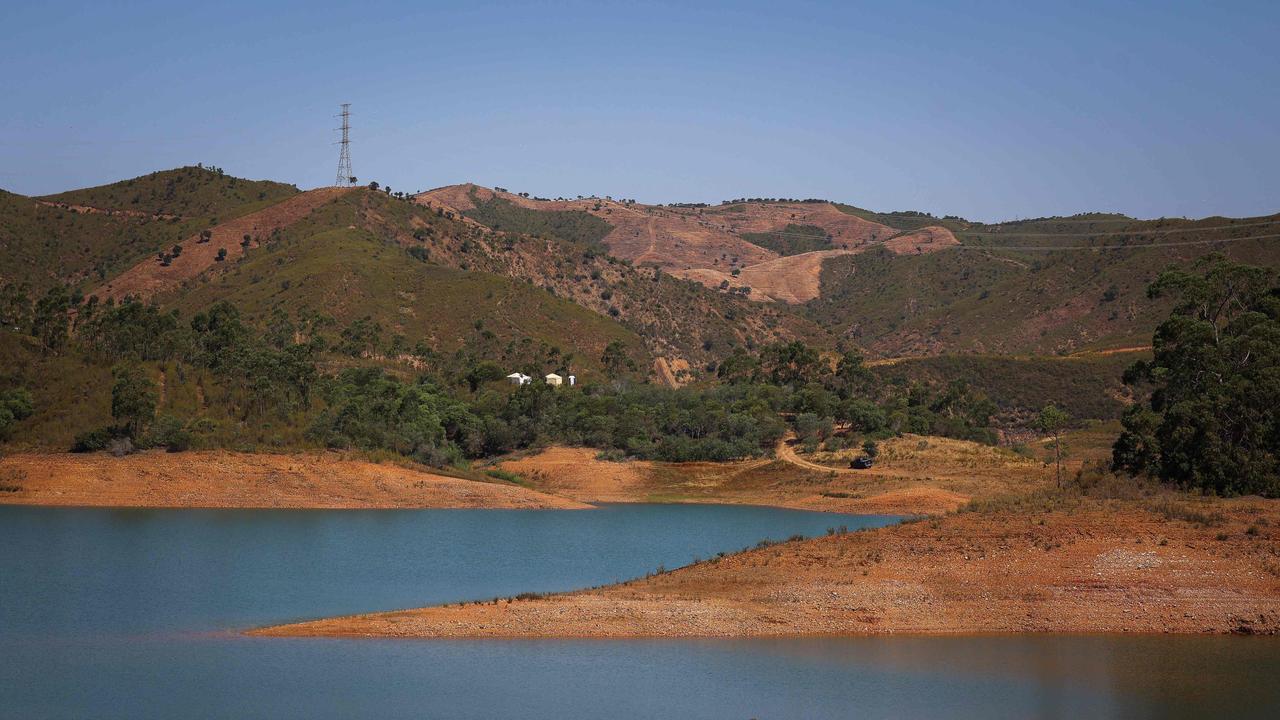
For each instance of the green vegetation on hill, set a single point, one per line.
(48, 240)
(42, 245)
(574, 226)
(1086, 387)
(1004, 300)
(133, 375)
(878, 292)
(343, 276)
(186, 192)
(905, 220)
(822, 394)
(792, 240)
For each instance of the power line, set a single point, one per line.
(1114, 247)
(1014, 234)
(1152, 231)
(346, 177)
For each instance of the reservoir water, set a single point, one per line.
(136, 613)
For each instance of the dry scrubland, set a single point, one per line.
(707, 245)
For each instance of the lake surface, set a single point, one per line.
(135, 613)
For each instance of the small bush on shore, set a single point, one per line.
(92, 440)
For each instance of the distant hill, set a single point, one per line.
(85, 236)
(442, 284)
(1027, 287)
(743, 247)
(552, 280)
(681, 286)
(183, 192)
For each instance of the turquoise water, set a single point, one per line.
(134, 614)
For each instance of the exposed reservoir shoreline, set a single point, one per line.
(1083, 566)
(221, 479)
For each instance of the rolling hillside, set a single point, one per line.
(1028, 287)
(162, 234)
(86, 236)
(340, 276)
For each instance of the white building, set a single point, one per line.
(516, 378)
(554, 379)
(572, 379)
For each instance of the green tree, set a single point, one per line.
(792, 363)
(870, 449)
(1053, 420)
(15, 305)
(1212, 420)
(852, 374)
(615, 358)
(50, 321)
(482, 372)
(133, 399)
(15, 405)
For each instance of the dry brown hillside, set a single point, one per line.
(711, 245)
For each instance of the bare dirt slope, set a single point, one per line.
(706, 244)
(847, 231)
(149, 277)
(242, 480)
(792, 279)
(1077, 566)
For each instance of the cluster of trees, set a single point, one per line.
(456, 408)
(1212, 421)
(843, 392)
(772, 200)
(794, 239)
(576, 226)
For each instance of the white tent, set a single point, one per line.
(554, 379)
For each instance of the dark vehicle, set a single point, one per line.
(862, 463)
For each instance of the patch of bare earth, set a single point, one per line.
(705, 244)
(910, 479)
(1087, 566)
(218, 479)
(576, 473)
(793, 279)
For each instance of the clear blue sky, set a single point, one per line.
(991, 110)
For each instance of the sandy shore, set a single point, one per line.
(1077, 565)
(218, 479)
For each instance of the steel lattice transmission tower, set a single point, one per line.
(346, 177)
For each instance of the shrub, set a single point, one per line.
(92, 440)
(170, 433)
